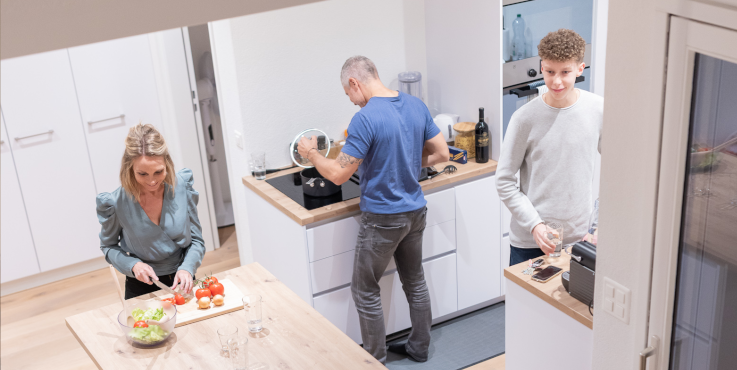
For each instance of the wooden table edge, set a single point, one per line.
(89, 354)
(251, 183)
(550, 300)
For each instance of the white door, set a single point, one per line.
(695, 255)
(116, 88)
(45, 133)
(18, 253)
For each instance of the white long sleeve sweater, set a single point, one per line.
(554, 150)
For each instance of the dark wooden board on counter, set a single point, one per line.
(304, 217)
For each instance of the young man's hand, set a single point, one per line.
(540, 233)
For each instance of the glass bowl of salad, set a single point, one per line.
(154, 322)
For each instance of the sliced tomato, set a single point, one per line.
(140, 324)
(178, 299)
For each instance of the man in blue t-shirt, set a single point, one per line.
(389, 141)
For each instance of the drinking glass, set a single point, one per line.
(225, 334)
(238, 348)
(259, 165)
(252, 306)
(554, 231)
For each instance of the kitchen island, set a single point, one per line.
(312, 251)
(294, 335)
(545, 324)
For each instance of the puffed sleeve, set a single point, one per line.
(110, 234)
(196, 250)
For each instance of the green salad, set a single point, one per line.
(151, 334)
(150, 314)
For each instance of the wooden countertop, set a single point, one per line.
(295, 336)
(552, 291)
(304, 217)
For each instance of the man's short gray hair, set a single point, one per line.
(360, 68)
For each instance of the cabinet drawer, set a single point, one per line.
(440, 274)
(333, 238)
(337, 270)
(441, 207)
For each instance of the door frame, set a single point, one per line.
(687, 37)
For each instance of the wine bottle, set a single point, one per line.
(482, 139)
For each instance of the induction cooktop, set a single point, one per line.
(291, 186)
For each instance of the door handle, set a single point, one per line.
(122, 116)
(39, 134)
(649, 351)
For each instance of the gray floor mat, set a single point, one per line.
(460, 342)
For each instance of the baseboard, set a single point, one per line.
(51, 276)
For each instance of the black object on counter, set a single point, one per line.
(290, 186)
(582, 275)
(483, 140)
(315, 185)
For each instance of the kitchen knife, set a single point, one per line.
(169, 290)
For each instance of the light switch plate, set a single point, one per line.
(238, 139)
(617, 300)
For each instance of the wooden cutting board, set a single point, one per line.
(190, 311)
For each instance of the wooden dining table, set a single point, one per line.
(294, 335)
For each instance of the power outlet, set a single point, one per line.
(617, 300)
(238, 139)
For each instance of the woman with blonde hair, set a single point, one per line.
(150, 229)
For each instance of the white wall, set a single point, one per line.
(463, 61)
(289, 64)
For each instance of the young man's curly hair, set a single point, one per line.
(561, 46)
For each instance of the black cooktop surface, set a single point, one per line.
(291, 186)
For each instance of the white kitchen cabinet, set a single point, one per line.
(478, 242)
(440, 275)
(333, 238)
(116, 88)
(19, 255)
(45, 133)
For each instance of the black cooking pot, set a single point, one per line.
(315, 185)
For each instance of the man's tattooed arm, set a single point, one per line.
(346, 160)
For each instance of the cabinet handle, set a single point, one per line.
(122, 116)
(39, 134)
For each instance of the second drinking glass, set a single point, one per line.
(252, 306)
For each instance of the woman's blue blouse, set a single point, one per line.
(128, 235)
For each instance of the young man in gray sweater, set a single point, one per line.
(552, 141)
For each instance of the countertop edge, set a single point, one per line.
(550, 300)
(304, 217)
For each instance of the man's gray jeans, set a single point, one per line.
(379, 238)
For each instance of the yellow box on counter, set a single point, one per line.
(458, 155)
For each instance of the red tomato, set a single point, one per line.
(202, 293)
(178, 299)
(140, 324)
(217, 288)
(212, 280)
